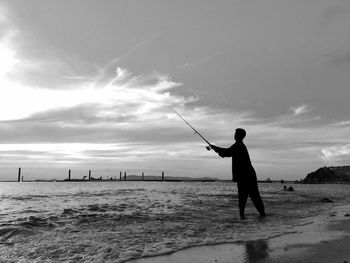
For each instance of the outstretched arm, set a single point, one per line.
(223, 152)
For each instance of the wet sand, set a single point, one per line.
(325, 239)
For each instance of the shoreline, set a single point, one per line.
(326, 239)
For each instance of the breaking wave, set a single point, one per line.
(121, 221)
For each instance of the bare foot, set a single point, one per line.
(262, 215)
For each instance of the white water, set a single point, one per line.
(118, 221)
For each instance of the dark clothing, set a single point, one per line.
(244, 174)
(242, 169)
(252, 190)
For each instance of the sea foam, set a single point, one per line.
(115, 222)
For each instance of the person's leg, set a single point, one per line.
(256, 198)
(242, 199)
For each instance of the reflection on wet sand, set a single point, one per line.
(256, 251)
(246, 252)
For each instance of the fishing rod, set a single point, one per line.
(207, 147)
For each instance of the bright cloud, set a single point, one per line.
(8, 60)
(336, 151)
(342, 123)
(19, 101)
(298, 110)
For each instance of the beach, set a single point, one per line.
(148, 222)
(325, 240)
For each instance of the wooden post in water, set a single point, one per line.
(120, 176)
(162, 176)
(22, 179)
(89, 175)
(143, 176)
(124, 176)
(19, 174)
(69, 173)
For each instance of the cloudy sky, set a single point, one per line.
(87, 84)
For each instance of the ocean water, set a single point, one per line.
(119, 221)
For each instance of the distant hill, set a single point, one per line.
(332, 174)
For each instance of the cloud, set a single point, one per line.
(119, 94)
(77, 121)
(300, 109)
(336, 151)
(7, 53)
(342, 123)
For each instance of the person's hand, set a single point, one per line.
(213, 147)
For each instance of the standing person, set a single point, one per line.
(242, 172)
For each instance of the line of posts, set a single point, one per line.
(20, 176)
(121, 178)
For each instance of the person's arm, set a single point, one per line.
(223, 152)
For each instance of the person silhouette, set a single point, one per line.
(242, 172)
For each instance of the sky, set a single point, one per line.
(87, 85)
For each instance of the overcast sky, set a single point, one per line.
(86, 84)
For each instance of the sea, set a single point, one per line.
(119, 221)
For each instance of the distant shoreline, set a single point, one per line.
(159, 180)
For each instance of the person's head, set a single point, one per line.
(240, 134)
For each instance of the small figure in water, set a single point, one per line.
(242, 172)
(290, 189)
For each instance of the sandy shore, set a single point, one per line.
(326, 239)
